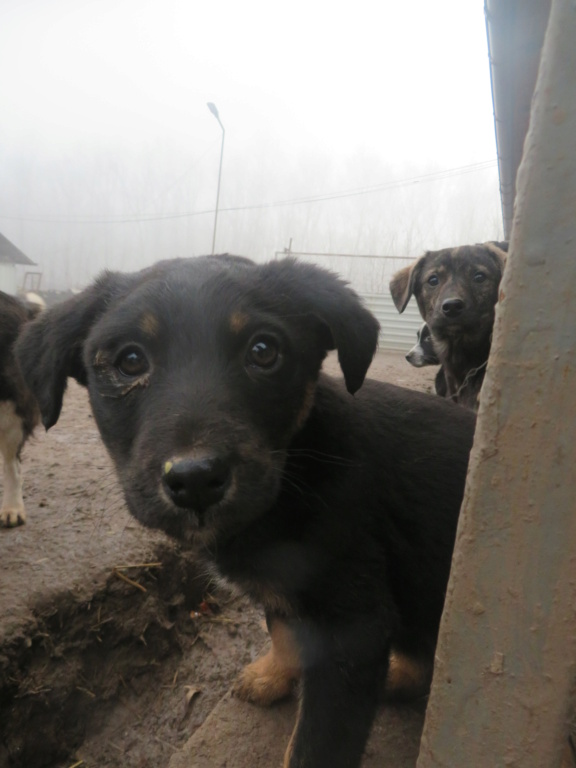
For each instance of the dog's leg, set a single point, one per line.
(272, 676)
(342, 669)
(11, 439)
(336, 711)
(408, 677)
(440, 384)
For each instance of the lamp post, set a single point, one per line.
(212, 108)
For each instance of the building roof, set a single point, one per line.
(9, 254)
(515, 30)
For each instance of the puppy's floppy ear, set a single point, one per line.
(50, 347)
(403, 282)
(500, 251)
(352, 329)
(502, 245)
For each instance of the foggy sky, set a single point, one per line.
(109, 155)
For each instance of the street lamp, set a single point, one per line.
(212, 108)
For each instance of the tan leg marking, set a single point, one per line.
(272, 676)
(290, 747)
(407, 677)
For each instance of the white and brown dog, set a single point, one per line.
(19, 412)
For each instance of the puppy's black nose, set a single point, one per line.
(452, 307)
(196, 483)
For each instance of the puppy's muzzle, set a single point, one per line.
(197, 483)
(452, 307)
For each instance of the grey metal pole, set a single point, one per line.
(212, 108)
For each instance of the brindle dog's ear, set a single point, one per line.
(502, 245)
(500, 250)
(403, 282)
(351, 328)
(50, 347)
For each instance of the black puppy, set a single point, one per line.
(337, 513)
(456, 290)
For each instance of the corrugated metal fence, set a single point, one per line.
(396, 331)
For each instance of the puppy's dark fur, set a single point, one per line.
(18, 410)
(336, 512)
(456, 290)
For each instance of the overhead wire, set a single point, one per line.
(420, 179)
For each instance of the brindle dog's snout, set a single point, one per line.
(452, 307)
(197, 483)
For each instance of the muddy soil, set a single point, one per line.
(114, 647)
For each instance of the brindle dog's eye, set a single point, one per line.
(132, 362)
(263, 352)
(433, 280)
(479, 277)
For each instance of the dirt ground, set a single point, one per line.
(114, 648)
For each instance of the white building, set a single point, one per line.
(11, 258)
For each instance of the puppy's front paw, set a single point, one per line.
(12, 516)
(264, 682)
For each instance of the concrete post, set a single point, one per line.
(506, 657)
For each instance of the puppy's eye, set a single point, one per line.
(433, 280)
(132, 362)
(263, 352)
(479, 277)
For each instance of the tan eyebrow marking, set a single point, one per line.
(149, 324)
(238, 321)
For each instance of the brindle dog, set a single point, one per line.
(336, 512)
(456, 290)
